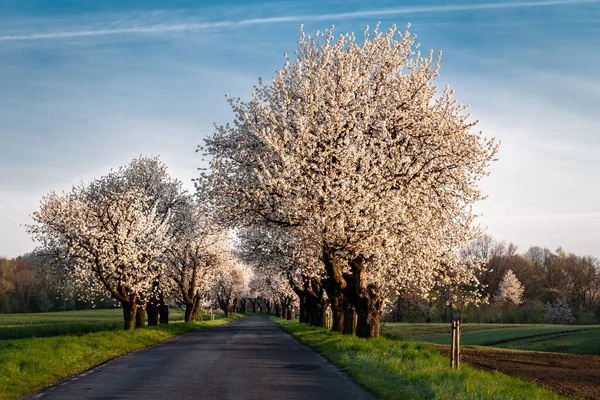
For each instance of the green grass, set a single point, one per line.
(31, 364)
(557, 338)
(23, 326)
(395, 369)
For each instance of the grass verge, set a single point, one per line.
(402, 370)
(31, 364)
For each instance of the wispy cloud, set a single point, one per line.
(162, 28)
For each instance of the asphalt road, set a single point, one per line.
(249, 358)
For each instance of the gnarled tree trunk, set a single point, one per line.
(191, 309)
(129, 314)
(363, 305)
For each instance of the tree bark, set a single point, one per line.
(336, 300)
(163, 312)
(129, 313)
(190, 312)
(370, 307)
(302, 311)
(323, 313)
(140, 316)
(152, 312)
(268, 305)
(350, 321)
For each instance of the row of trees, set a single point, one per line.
(136, 235)
(346, 181)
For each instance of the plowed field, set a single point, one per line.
(568, 374)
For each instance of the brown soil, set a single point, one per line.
(567, 374)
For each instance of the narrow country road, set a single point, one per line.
(250, 358)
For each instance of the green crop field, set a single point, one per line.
(23, 326)
(571, 339)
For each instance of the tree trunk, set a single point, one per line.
(190, 312)
(152, 312)
(350, 321)
(129, 313)
(323, 313)
(140, 316)
(269, 305)
(224, 305)
(337, 314)
(277, 310)
(370, 307)
(302, 311)
(163, 311)
(260, 305)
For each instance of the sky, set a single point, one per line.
(88, 85)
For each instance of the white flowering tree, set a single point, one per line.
(279, 252)
(165, 195)
(354, 144)
(231, 278)
(194, 256)
(112, 234)
(510, 289)
(107, 240)
(458, 286)
(559, 312)
(275, 267)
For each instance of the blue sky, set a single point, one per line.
(87, 85)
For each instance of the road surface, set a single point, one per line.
(249, 358)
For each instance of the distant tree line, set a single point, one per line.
(25, 288)
(538, 285)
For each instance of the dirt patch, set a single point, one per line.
(567, 374)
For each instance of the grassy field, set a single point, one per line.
(571, 339)
(395, 369)
(30, 364)
(23, 326)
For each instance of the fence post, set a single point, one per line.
(452, 344)
(457, 347)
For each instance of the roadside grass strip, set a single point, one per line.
(27, 365)
(394, 369)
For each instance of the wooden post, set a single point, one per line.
(457, 346)
(452, 343)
